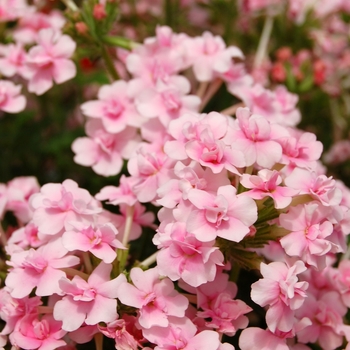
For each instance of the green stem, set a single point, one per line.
(122, 258)
(109, 63)
(119, 42)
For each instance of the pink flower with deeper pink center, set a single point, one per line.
(182, 334)
(319, 187)
(40, 269)
(266, 184)
(155, 298)
(114, 107)
(50, 61)
(255, 136)
(57, 204)
(181, 255)
(223, 215)
(100, 241)
(282, 291)
(42, 333)
(310, 227)
(104, 151)
(90, 301)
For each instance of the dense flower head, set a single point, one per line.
(199, 153)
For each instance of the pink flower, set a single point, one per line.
(118, 330)
(10, 10)
(210, 56)
(309, 231)
(225, 214)
(121, 194)
(319, 187)
(57, 204)
(13, 309)
(114, 107)
(181, 255)
(254, 136)
(152, 168)
(27, 236)
(167, 102)
(189, 177)
(100, 241)
(266, 184)
(90, 301)
(225, 315)
(19, 191)
(32, 332)
(104, 151)
(300, 149)
(236, 78)
(278, 106)
(281, 290)
(49, 61)
(326, 314)
(38, 269)
(181, 334)
(254, 338)
(29, 25)
(205, 138)
(13, 60)
(342, 280)
(11, 101)
(155, 298)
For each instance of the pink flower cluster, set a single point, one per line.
(223, 187)
(40, 55)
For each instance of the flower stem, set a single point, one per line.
(109, 63)
(3, 239)
(128, 224)
(71, 5)
(119, 41)
(210, 92)
(202, 88)
(232, 110)
(264, 40)
(73, 272)
(87, 262)
(45, 309)
(98, 337)
(149, 261)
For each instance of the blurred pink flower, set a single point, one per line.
(11, 101)
(50, 61)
